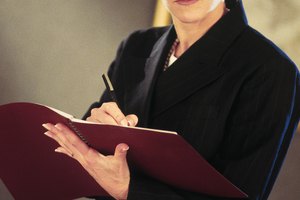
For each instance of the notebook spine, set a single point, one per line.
(73, 127)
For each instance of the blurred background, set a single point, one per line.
(54, 51)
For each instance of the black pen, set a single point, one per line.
(110, 88)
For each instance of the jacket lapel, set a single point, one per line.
(201, 64)
(140, 96)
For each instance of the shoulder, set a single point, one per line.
(147, 34)
(140, 42)
(258, 53)
(263, 46)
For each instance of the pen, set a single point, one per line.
(110, 88)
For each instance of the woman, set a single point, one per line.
(213, 79)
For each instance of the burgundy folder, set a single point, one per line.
(31, 169)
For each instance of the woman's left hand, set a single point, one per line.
(110, 172)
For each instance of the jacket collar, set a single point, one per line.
(201, 63)
(140, 98)
(211, 47)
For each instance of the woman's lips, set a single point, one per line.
(186, 2)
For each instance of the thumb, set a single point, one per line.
(132, 120)
(121, 152)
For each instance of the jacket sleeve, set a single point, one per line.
(260, 127)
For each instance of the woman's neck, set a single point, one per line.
(189, 33)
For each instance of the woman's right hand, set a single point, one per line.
(110, 113)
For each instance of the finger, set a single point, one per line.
(94, 120)
(67, 139)
(121, 152)
(91, 119)
(59, 149)
(107, 118)
(112, 109)
(50, 133)
(72, 141)
(100, 116)
(132, 120)
(64, 151)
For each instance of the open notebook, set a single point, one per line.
(32, 170)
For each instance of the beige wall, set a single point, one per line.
(53, 51)
(279, 20)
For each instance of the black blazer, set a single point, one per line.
(231, 96)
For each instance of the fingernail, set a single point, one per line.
(124, 122)
(46, 126)
(129, 123)
(58, 150)
(125, 149)
(58, 127)
(48, 134)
